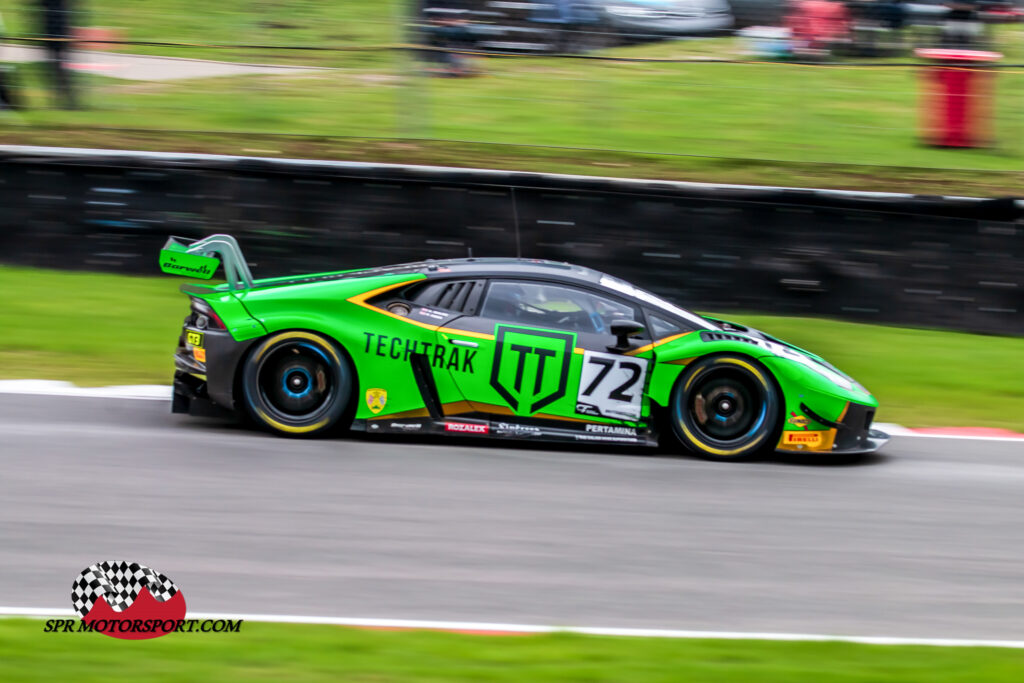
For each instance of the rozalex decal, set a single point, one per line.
(466, 427)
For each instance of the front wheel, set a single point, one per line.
(725, 407)
(296, 383)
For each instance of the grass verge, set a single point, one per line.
(228, 22)
(98, 329)
(273, 652)
(594, 162)
(842, 126)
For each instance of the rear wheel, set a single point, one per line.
(297, 383)
(725, 407)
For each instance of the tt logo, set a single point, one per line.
(531, 367)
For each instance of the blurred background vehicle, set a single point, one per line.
(634, 20)
(578, 25)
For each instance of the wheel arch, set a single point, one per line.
(662, 412)
(239, 371)
(681, 359)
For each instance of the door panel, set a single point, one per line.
(404, 369)
(532, 371)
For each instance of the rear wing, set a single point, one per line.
(199, 258)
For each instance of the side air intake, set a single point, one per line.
(726, 336)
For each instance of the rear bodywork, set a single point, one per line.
(439, 368)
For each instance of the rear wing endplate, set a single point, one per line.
(200, 258)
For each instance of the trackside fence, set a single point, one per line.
(950, 262)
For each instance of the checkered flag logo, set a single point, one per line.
(119, 583)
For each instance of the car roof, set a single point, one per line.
(498, 267)
(541, 269)
(453, 268)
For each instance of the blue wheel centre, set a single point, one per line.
(725, 407)
(297, 382)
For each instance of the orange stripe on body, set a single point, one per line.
(652, 345)
(360, 300)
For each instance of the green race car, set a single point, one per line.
(499, 347)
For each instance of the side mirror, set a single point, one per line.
(622, 329)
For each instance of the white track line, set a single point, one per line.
(500, 628)
(966, 437)
(45, 387)
(900, 430)
(157, 392)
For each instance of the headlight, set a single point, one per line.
(833, 377)
(797, 357)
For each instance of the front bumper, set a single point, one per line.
(869, 443)
(851, 434)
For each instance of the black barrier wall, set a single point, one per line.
(928, 261)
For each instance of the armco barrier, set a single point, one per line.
(933, 261)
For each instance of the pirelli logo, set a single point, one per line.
(812, 439)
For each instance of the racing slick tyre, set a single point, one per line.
(296, 383)
(725, 407)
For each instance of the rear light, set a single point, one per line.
(204, 317)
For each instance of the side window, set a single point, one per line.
(662, 327)
(544, 305)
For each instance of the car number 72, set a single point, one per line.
(611, 386)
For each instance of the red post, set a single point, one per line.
(957, 95)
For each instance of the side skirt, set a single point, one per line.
(512, 429)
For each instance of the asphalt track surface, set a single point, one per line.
(926, 540)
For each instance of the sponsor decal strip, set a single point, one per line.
(516, 428)
(497, 628)
(466, 427)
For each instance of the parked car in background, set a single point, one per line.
(654, 19)
(579, 25)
